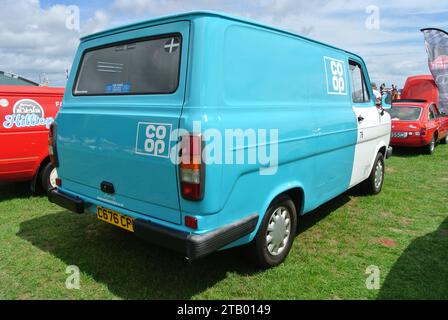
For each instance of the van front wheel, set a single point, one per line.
(374, 184)
(276, 234)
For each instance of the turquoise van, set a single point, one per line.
(201, 132)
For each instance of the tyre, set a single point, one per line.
(444, 140)
(374, 184)
(48, 177)
(429, 149)
(276, 233)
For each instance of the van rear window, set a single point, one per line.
(148, 66)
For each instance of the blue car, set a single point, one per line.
(201, 132)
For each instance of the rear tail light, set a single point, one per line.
(191, 222)
(52, 145)
(192, 169)
(59, 182)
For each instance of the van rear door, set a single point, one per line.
(114, 128)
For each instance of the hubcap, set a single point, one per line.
(433, 145)
(378, 175)
(279, 230)
(53, 177)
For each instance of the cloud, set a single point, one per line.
(392, 53)
(35, 40)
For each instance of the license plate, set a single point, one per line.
(115, 218)
(401, 135)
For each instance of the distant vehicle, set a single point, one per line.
(134, 86)
(416, 120)
(26, 113)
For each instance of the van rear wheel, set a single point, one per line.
(276, 233)
(48, 177)
(374, 184)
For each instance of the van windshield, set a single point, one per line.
(149, 66)
(405, 113)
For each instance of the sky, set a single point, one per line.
(38, 39)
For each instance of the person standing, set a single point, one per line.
(377, 94)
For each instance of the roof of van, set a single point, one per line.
(30, 90)
(190, 15)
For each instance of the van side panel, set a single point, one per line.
(259, 79)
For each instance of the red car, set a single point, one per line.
(416, 120)
(26, 113)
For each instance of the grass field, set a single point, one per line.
(403, 231)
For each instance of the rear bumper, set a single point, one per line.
(416, 142)
(190, 245)
(65, 201)
(195, 246)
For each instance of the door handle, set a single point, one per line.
(360, 119)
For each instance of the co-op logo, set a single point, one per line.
(27, 113)
(336, 76)
(153, 139)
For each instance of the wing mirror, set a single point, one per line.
(386, 101)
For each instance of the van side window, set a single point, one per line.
(360, 94)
